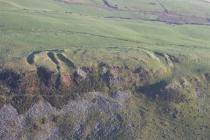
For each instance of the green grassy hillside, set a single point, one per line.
(137, 69)
(27, 26)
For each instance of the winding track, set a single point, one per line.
(106, 2)
(12, 4)
(162, 6)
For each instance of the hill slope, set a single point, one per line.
(104, 69)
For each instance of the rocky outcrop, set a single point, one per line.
(10, 78)
(73, 121)
(61, 99)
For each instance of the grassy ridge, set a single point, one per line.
(28, 26)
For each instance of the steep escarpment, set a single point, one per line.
(64, 95)
(118, 115)
(53, 71)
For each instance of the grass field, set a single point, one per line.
(27, 26)
(169, 38)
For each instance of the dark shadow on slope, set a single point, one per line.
(68, 62)
(58, 81)
(110, 5)
(44, 75)
(154, 90)
(173, 58)
(52, 58)
(10, 78)
(30, 58)
(23, 103)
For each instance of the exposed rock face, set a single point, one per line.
(60, 74)
(44, 75)
(80, 75)
(10, 78)
(10, 123)
(43, 122)
(82, 79)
